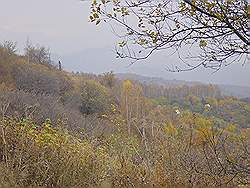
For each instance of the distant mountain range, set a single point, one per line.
(228, 90)
(237, 91)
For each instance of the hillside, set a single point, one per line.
(62, 129)
(155, 80)
(227, 90)
(237, 91)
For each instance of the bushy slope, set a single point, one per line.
(60, 129)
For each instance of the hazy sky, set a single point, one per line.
(63, 26)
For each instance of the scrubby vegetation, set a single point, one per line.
(61, 129)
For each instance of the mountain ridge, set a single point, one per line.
(228, 90)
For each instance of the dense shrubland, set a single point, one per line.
(228, 109)
(60, 129)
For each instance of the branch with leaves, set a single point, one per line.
(211, 33)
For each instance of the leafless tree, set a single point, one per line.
(9, 46)
(38, 54)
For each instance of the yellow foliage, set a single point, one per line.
(127, 86)
(231, 128)
(170, 129)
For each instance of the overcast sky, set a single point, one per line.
(62, 25)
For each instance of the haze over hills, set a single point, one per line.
(229, 90)
(99, 60)
(155, 80)
(234, 90)
(82, 46)
(68, 120)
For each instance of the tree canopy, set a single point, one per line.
(212, 33)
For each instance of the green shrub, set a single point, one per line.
(94, 97)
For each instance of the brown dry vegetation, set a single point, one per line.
(60, 129)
